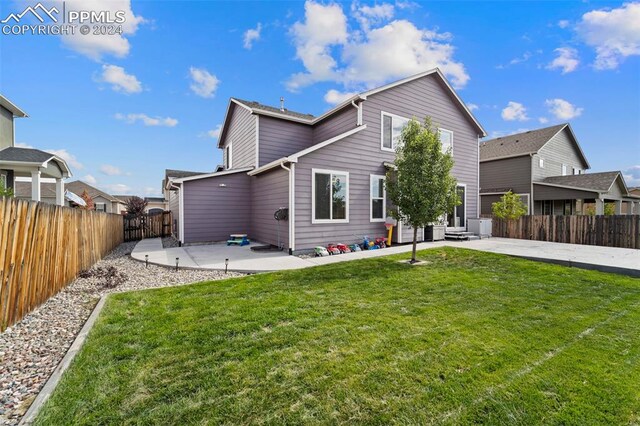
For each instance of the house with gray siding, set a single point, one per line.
(327, 171)
(548, 169)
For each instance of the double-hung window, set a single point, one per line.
(446, 140)
(392, 126)
(378, 199)
(330, 196)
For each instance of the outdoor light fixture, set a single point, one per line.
(146, 260)
(223, 185)
(177, 262)
(226, 265)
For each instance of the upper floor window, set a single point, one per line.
(564, 170)
(391, 130)
(330, 196)
(228, 157)
(446, 140)
(541, 163)
(378, 199)
(577, 171)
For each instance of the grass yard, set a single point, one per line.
(468, 337)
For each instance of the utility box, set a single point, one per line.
(434, 233)
(480, 227)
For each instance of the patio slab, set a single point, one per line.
(243, 259)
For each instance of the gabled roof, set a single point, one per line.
(170, 173)
(524, 143)
(11, 107)
(261, 109)
(600, 182)
(215, 174)
(25, 155)
(78, 187)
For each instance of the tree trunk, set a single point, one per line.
(415, 242)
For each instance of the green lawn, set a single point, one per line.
(468, 337)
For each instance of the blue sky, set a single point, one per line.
(121, 109)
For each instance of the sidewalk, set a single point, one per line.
(243, 259)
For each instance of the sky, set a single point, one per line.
(123, 108)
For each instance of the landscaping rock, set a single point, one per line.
(31, 349)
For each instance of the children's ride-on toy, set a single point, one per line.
(381, 242)
(321, 251)
(355, 247)
(333, 249)
(343, 248)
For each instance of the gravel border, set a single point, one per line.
(32, 349)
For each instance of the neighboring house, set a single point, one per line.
(154, 204)
(103, 202)
(172, 194)
(328, 171)
(547, 168)
(18, 162)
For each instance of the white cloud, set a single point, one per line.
(97, 46)
(119, 80)
(567, 60)
(146, 120)
(116, 188)
(203, 83)
(543, 120)
(215, 133)
(335, 97)
(68, 157)
(22, 145)
(632, 175)
(563, 110)
(501, 133)
(251, 35)
(150, 190)
(514, 111)
(110, 170)
(615, 34)
(563, 23)
(472, 107)
(89, 179)
(367, 57)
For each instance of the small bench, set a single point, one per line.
(238, 239)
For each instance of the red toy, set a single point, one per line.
(343, 248)
(381, 242)
(333, 249)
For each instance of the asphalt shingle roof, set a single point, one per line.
(518, 144)
(24, 155)
(258, 105)
(599, 181)
(180, 173)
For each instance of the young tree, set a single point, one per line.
(510, 206)
(87, 199)
(5, 191)
(422, 187)
(135, 205)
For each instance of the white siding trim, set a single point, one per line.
(257, 141)
(215, 174)
(313, 197)
(292, 207)
(384, 199)
(181, 211)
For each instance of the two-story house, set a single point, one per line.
(327, 171)
(547, 168)
(27, 162)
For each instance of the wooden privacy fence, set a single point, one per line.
(43, 248)
(147, 226)
(610, 231)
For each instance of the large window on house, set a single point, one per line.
(391, 130)
(228, 157)
(458, 217)
(330, 196)
(378, 199)
(446, 140)
(101, 207)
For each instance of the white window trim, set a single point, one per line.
(100, 204)
(384, 199)
(313, 197)
(575, 169)
(388, 114)
(229, 155)
(441, 129)
(541, 162)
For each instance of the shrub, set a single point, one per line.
(510, 206)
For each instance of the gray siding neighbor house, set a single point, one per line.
(547, 168)
(327, 171)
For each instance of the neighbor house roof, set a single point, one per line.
(78, 187)
(11, 107)
(258, 108)
(25, 155)
(180, 173)
(600, 182)
(524, 143)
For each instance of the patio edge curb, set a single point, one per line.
(54, 379)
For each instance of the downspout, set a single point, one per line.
(291, 205)
(359, 115)
(531, 212)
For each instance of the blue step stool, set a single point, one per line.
(238, 240)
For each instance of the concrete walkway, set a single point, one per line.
(243, 259)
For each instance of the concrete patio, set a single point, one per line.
(243, 259)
